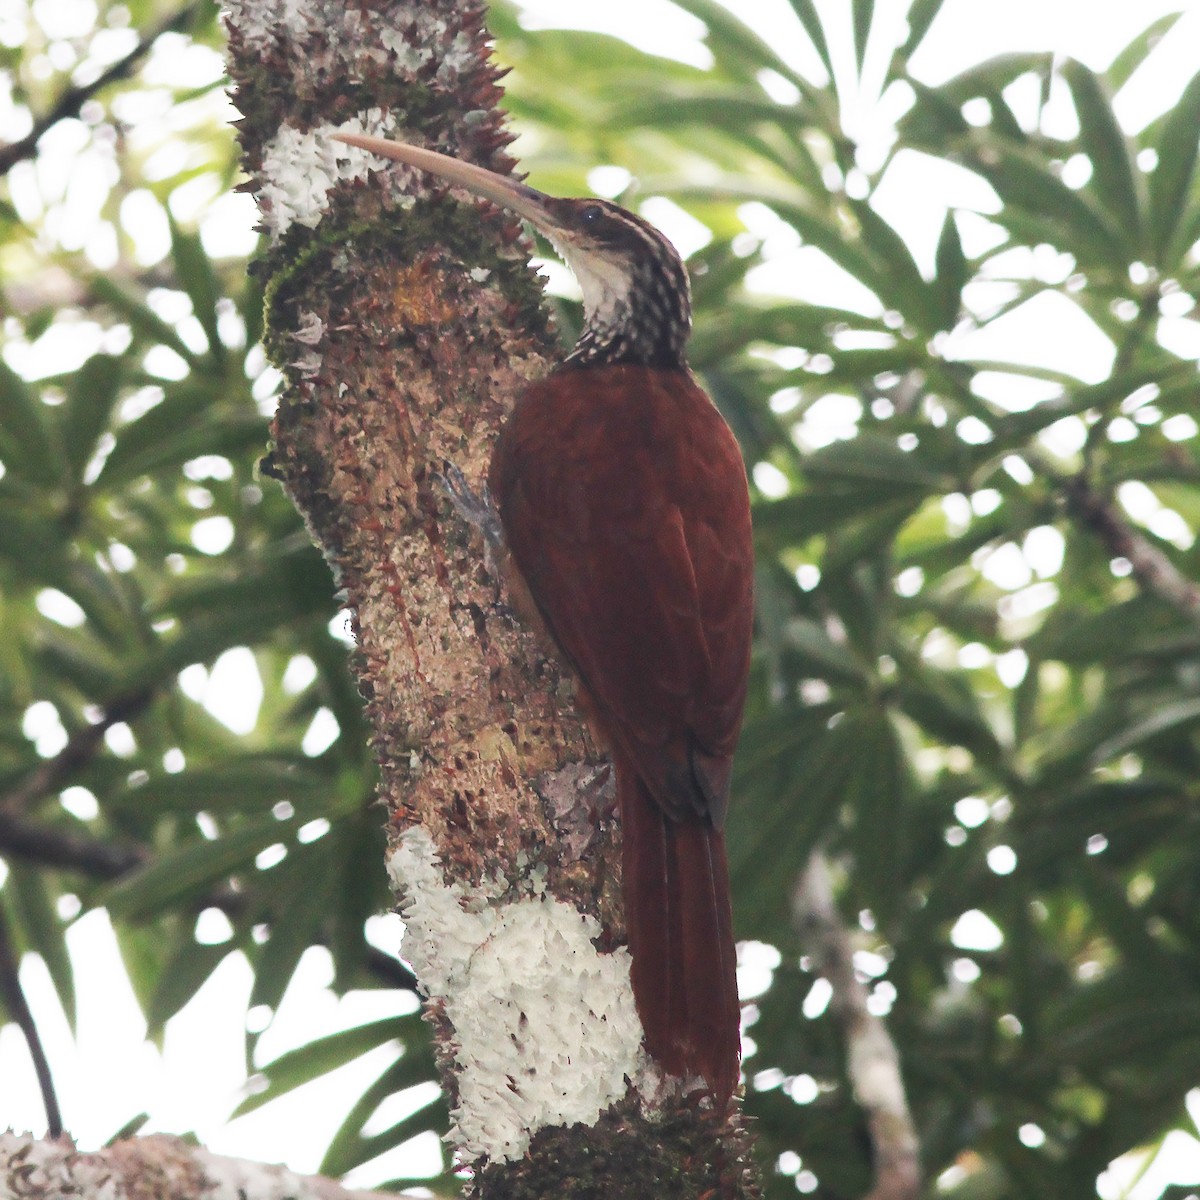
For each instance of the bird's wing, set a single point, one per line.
(623, 497)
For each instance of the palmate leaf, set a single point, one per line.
(1126, 1017)
(899, 283)
(724, 107)
(190, 421)
(873, 460)
(361, 892)
(1169, 716)
(303, 896)
(947, 707)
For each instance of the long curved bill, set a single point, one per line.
(527, 201)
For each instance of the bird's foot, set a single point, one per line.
(581, 799)
(474, 507)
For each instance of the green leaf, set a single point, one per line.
(91, 397)
(173, 432)
(248, 783)
(1140, 1019)
(1014, 429)
(781, 815)
(28, 442)
(736, 47)
(361, 892)
(199, 281)
(1113, 180)
(921, 16)
(870, 459)
(349, 1148)
(1178, 715)
(141, 317)
(1132, 56)
(1039, 205)
(862, 539)
(31, 902)
(819, 653)
(303, 897)
(945, 705)
(183, 974)
(901, 285)
(952, 273)
(862, 13)
(324, 1054)
(720, 107)
(807, 13)
(877, 795)
(190, 870)
(1171, 180)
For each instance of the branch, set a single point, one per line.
(1153, 570)
(19, 1010)
(74, 98)
(47, 776)
(168, 1168)
(100, 859)
(50, 847)
(873, 1062)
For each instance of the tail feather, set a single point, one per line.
(680, 928)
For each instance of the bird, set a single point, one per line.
(625, 510)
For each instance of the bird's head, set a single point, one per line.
(636, 300)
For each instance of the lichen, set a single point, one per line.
(544, 1028)
(301, 167)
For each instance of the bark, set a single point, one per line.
(872, 1060)
(151, 1168)
(405, 319)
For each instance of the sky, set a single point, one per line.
(197, 1078)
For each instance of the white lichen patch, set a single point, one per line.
(402, 37)
(301, 166)
(544, 1024)
(260, 22)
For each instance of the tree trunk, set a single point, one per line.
(406, 319)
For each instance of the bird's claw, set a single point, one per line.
(476, 508)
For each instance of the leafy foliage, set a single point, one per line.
(977, 679)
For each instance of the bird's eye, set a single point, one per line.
(591, 214)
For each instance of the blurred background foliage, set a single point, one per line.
(977, 679)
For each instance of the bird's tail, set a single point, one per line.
(679, 923)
